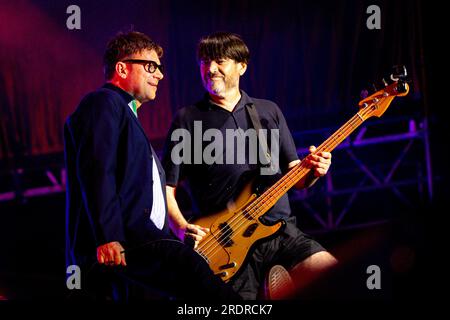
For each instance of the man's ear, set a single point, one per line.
(242, 68)
(121, 69)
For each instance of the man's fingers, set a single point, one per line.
(203, 229)
(326, 155)
(117, 257)
(110, 256)
(200, 232)
(123, 262)
(111, 253)
(196, 237)
(100, 258)
(319, 158)
(319, 163)
(195, 229)
(323, 154)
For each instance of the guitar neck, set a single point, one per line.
(264, 202)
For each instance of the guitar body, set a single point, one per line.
(232, 235)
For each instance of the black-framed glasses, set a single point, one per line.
(149, 65)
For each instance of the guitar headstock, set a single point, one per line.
(377, 103)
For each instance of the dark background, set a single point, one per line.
(312, 58)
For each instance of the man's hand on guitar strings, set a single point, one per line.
(193, 234)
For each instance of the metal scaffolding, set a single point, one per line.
(391, 171)
(33, 177)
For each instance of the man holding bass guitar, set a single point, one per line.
(215, 182)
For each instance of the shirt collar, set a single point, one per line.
(245, 100)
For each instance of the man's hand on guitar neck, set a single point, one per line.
(319, 164)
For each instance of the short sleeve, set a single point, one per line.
(288, 151)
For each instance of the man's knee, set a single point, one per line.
(312, 268)
(319, 261)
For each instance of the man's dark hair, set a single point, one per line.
(124, 45)
(222, 45)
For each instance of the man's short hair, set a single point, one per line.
(223, 45)
(124, 45)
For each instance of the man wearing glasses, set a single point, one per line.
(116, 215)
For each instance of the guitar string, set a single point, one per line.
(246, 211)
(256, 204)
(209, 248)
(272, 193)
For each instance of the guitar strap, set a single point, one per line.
(254, 117)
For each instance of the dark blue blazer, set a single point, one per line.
(109, 183)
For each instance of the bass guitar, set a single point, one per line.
(237, 228)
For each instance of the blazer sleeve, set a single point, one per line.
(97, 164)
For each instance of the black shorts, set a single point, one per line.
(290, 247)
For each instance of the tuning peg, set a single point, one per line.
(399, 73)
(374, 87)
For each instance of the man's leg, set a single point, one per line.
(308, 271)
(305, 258)
(174, 268)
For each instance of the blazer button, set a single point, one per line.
(146, 210)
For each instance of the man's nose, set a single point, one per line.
(213, 66)
(158, 74)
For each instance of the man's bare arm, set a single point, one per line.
(318, 163)
(178, 223)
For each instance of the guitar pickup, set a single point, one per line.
(228, 266)
(250, 230)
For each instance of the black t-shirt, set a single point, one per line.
(215, 180)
